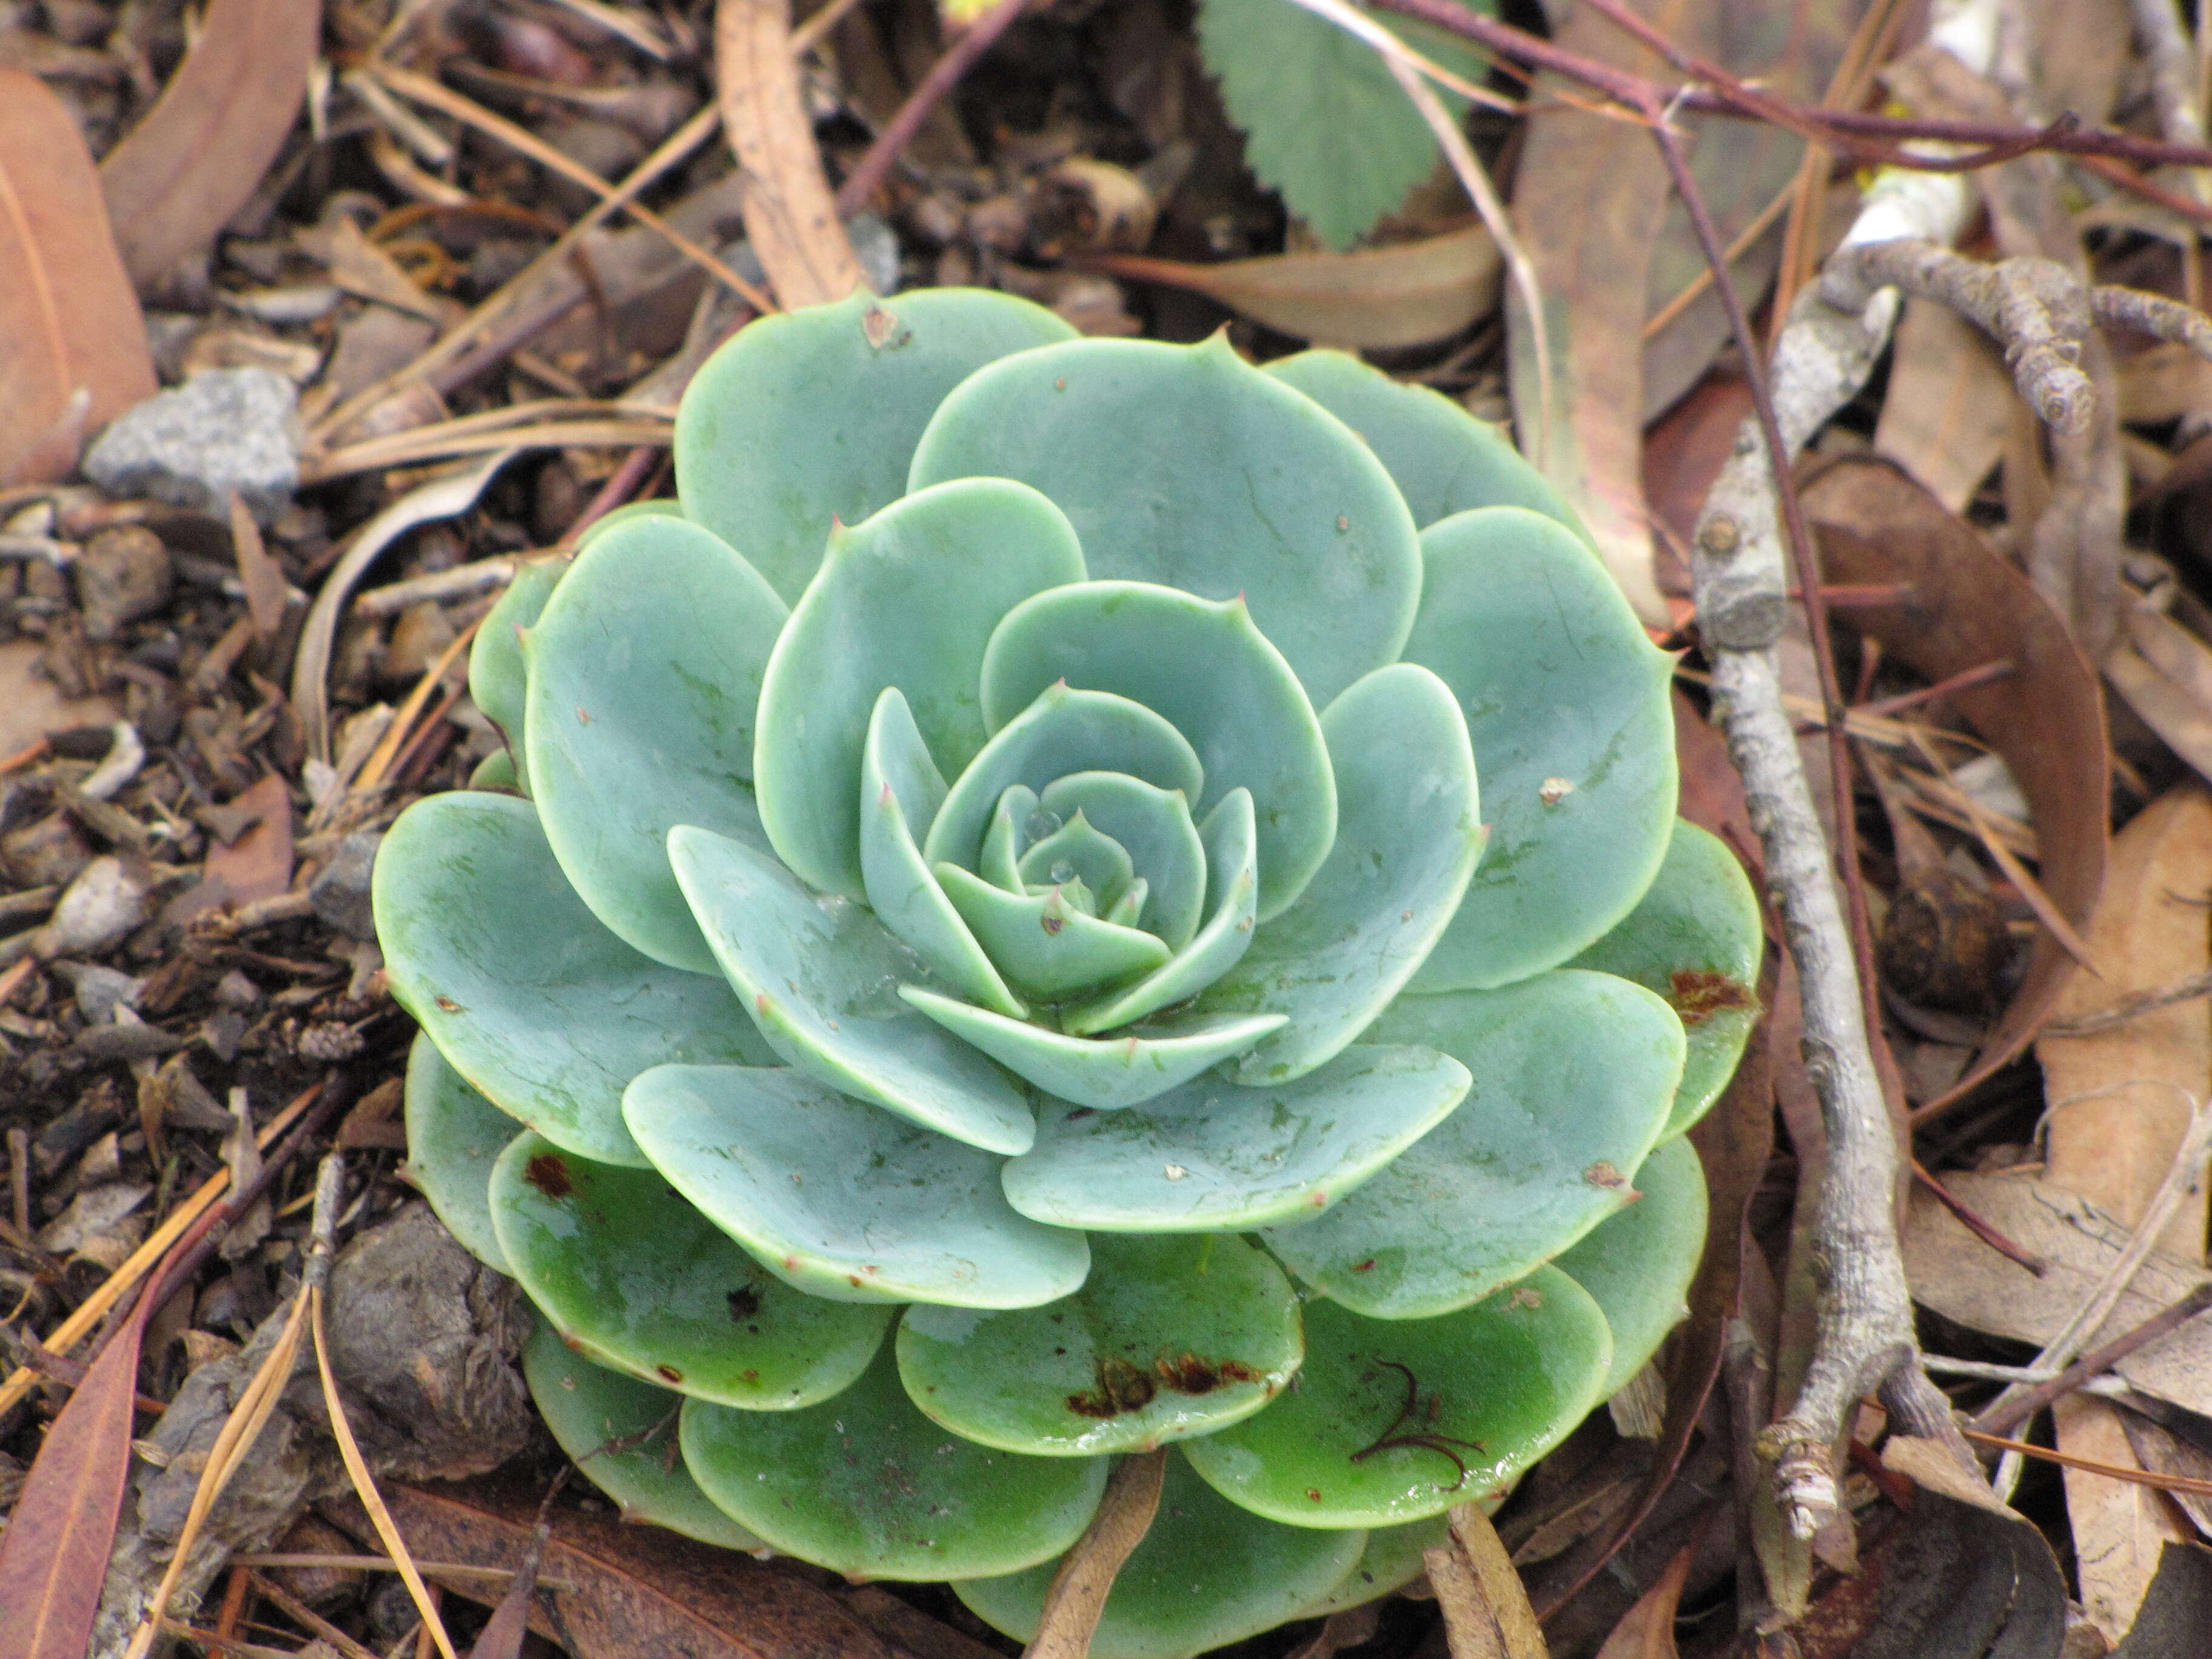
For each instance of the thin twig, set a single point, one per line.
(875, 166)
(1996, 1420)
(2131, 1007)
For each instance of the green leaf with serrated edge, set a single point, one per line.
(1168, 1337)
(1206, 1574)
(1638, 1264)
(495, 772)
(900, 787)
(1080, 851)
(1233, 879)
(908, 599)
(1326, 123)
(454, 1135)
(1154, 827)
(1392, 1560)
(1186, 466)
(1410, 835)
(498, 677)
(1443, 458)
(1212, 1156)
(844, 1200)
(651, 1288)
(1491, 1389)
(866, 1485)
(621, 1432)
(1105, 1073)
(1063, 732)
(1695, 939)
(812, 416)
(1573, 1075)
(1566, 702)
(821, 978)
(526, 994)
(1047, 946)
(1000, 863)
(644, 673)
(1215, 678)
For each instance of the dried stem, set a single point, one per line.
(875, 166)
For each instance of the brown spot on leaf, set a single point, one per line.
(1698, 993)
(1051, 923)
(1121, 1387)
(744, 1303)
(549, 1173)
(449, 1005)
(1602, 1174)
(1188, 1374)
(669, 1374)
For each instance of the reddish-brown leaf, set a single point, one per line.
(72, 348)
(199, 156)
(1965, 605)
(1646, 1630)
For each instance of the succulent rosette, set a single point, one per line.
(987, 953)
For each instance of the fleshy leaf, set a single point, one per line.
(1638, 1264)
(1392, 1560)
(815, 415)
(866, 1485)
(1047, 946)
(1105, 1073)
(1079, 850)
(821, 978)
(1567, 703)
(495, 772)
(1154, 827)
(645, 670)
(908, 599)
(660, 507)
(1168, 1337)
(1212, 1155)
(525, 993)
(841, 1200)
(498, 679)
(454, 1135)
(1574, 1074)
(1396, 1419)
(1695, 939)
(1206, 1574)
(1217, 680)
(653, 1289)
(1000, 861)
(1443, 459)
(1233, 879)
(1063, 732)
(900, 787)
(1186, 466)
(1409, 836)
(621, 1433)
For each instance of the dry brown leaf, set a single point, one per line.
(31, 705)
(2164, 383)
(1405, 295)
(1078, 1593)
(73, 353)
(199, 154)
(2159, 1450)
(1485, 1606)
(1948, 405)
(2120, 1528)
(1646, 1630)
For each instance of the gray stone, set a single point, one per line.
(123, 575)
(229, 428)
(100, 991)
(339, 892)
(107, 902)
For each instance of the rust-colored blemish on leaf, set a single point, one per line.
(669, 1374)
(1698, 993)
(549, 1173)
(449, 1005)
(1602, 1174)
(1121, 1387)
(1188, 1374)
(744, 1303)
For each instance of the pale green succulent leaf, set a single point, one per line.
(1213, 1155)
(1638, 1264)
(1498, 1385)
(1168, 1337)
(1206, 1574)
(499, 679)
(1574, 1076)
(820, 976)
(1215, 678)
(1131, 905)
(907, 598)
(645, 671)
(1232, 872)
(844, 1200)
(901, 787)
(654, 1290)
(621, 1432)
(526, 994)
(661, 507)
(1000, 862)
(1408, 839)
(1106, 1073)
(1154, 827)
(866, 1485)
(495, 772)
(812, 415)
(454, 1136)
(1186, 466)
(1048, 946)
(1566, 701)
(1443, 459)
(1080, 851)
(1392, 1560)
(1695, 938)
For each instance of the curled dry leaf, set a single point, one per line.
(2177, 1610)
(1646, 1630)
(73, 352)
(1405, 295)
(790, 215)
(1964, 606)
(199, 155)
